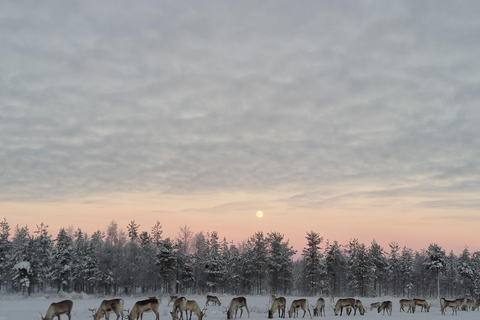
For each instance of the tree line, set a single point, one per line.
(115, 262)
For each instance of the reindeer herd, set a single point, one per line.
(276, 304)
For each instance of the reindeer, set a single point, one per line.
(375, 305)
(344, 303)
(214, 300)
(107, 306)
(468, 304)
(144, 306)
(297, 304)
(359, 306)
(272, 298)
(319, 308)
(277, 304)
(407, 303)
(454, 304)
(179, 306)
(58, 308)
(192, 306)
(423, 304)
(235, 304)
(477, 305)
(171, 299)
(386, 306)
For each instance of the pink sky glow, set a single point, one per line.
(236, 220)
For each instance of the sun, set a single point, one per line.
(259, 214)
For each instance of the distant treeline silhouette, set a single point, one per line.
(114, 262)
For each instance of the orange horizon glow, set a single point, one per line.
(234, 218)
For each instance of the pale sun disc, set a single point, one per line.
(259, 214)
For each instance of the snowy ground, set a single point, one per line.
(18, 308)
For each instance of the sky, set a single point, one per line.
(352, 119)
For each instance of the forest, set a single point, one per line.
(117, 262)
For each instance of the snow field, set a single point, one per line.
(14, 307)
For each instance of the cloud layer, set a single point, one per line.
(326, 101)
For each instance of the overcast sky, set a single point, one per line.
(329, 104)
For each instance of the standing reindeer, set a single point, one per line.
(348, 303)
(179, 306)
(277, 304)
(214, 300)
(107, 306)
(454, 304)
(297, 304)
(423, 304)
(58, 308)
(407, 303)
(319, 307)
(192, 306)
(359, 307)
(386, 306)
(144, 306)
(235, 304)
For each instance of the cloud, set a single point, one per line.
(190, 97)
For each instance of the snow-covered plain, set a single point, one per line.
(14, 307)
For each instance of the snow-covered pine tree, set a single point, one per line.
(130, 263)
(156, 234)
(359, 267)
(200, 254)
(167, 262)
(111, 257)
(336, 266)
(42, 247)
(78, 264)
(314, 268)
(420, 277)
(280, 263)
(234, 266)
(214, 264)
(466, 270)
(20, 265)
(62, 259)
(450, 279)
(259, 261)
(394, 267)
(476, 269)
(435, 263)
(5, 252)
(406, 271)
(376, 254)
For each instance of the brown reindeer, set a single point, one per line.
(375, 305)
(192, 306)
(214, 300)
(144, 306)
(277, 304)
(171, 299)
(58, 308)
(359, 307)
(319, 308)
(423, 304)
(107, 306)
(179, 306)
(386, 306)
(344, 303)
(407, 303)
(235, 304)
(297, 304)
(454, 304)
